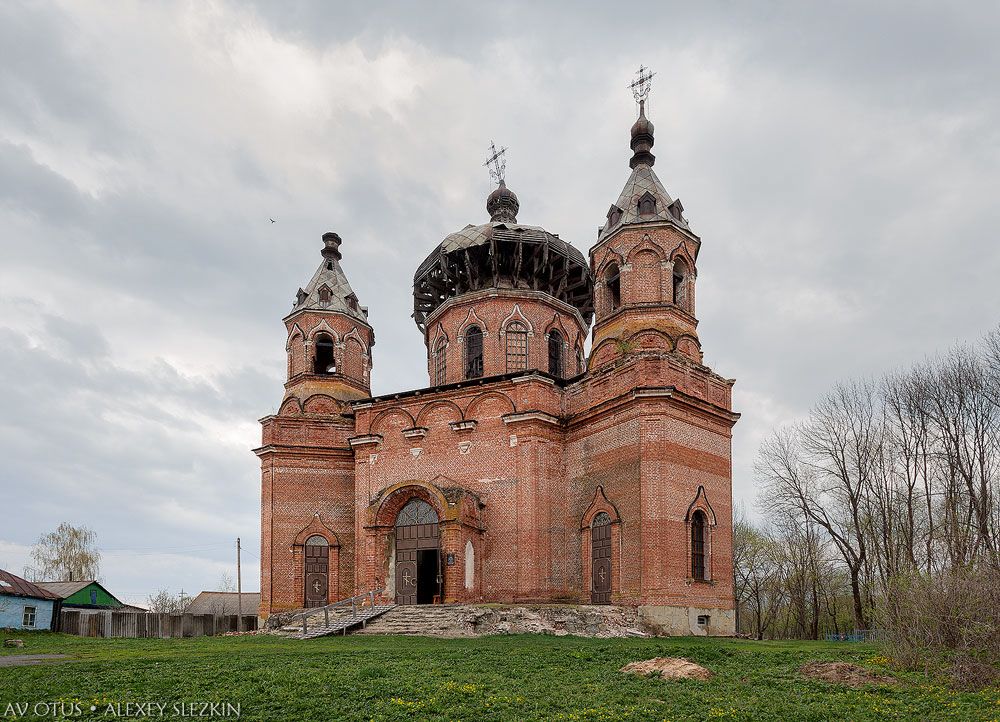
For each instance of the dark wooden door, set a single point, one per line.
(600, 557)
(411, 577)
(317, 575)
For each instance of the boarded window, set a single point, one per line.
(324, 363)
(555, 353)
(473, 353)
(440, 362)
(517, 346)
(698, 545)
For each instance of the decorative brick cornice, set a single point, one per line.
(367, 440)
(523, 416)
(464, 425)
(417, 432)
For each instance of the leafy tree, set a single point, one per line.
(67, 554)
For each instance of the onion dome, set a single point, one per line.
(328, 290)
(502, 204)
(643, 199)
(502, 254)
(642, 140)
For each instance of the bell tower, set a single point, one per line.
(644, 261)
(329, 338)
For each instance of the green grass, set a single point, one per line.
(491, 678)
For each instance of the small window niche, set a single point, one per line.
(703, 620)
(647, 204)
(613, 282)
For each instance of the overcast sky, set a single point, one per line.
(840, 162)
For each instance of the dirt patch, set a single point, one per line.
(844, 673)
(668, 668)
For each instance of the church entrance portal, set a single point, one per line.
(418, 554)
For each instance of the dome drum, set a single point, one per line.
(502, 255)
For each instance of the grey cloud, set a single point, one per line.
(838, 161)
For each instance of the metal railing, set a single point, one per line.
(355, 603)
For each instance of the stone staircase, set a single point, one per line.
(427, 620)
(337, 618)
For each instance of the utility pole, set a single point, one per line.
(239, 589)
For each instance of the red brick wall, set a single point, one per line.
(491, 310)
(517, 467)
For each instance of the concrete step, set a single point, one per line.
(422, 620)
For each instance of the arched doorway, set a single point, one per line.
(600, 559)
(418, 554)
(317, 571)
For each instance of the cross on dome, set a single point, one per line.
(642, 84)
(497, 162)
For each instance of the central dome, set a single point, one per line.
(502, 254)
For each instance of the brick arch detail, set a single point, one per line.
(439, 333)
(599, 503)
(610, 256)
(517, 315)
(383, 510)
(471, 319)
(322, 327)
(671, 344)
(647, 245)
(296, 331)
(290, 407)
(700, 502)
(482, 397)
(375, 425)
(316, 526)
(319, 397)
(421, 415)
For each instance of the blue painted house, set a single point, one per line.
(24, 605)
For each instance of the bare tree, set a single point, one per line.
(163, 602)
(759, 574)
(67, 554)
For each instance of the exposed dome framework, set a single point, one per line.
(502, 254)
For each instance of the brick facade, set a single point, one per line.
(518, 462)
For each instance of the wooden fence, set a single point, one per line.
(111, 623)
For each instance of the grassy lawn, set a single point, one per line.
(492, 678)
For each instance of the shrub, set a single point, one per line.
(947, 624)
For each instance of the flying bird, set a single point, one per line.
(271, 219)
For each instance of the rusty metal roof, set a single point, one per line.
(15, 586)
(643, 180)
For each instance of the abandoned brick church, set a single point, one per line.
(526, 470)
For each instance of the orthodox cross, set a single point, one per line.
(497, 163)
(641, 85)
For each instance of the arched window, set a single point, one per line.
(440, 361)
(612, 279)
(416, 511)
(473, 353)
(698, 545)
(317, 541)
(555, 353)
(517, 346)
(680, 285)
(601, 518)
(324, 363)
